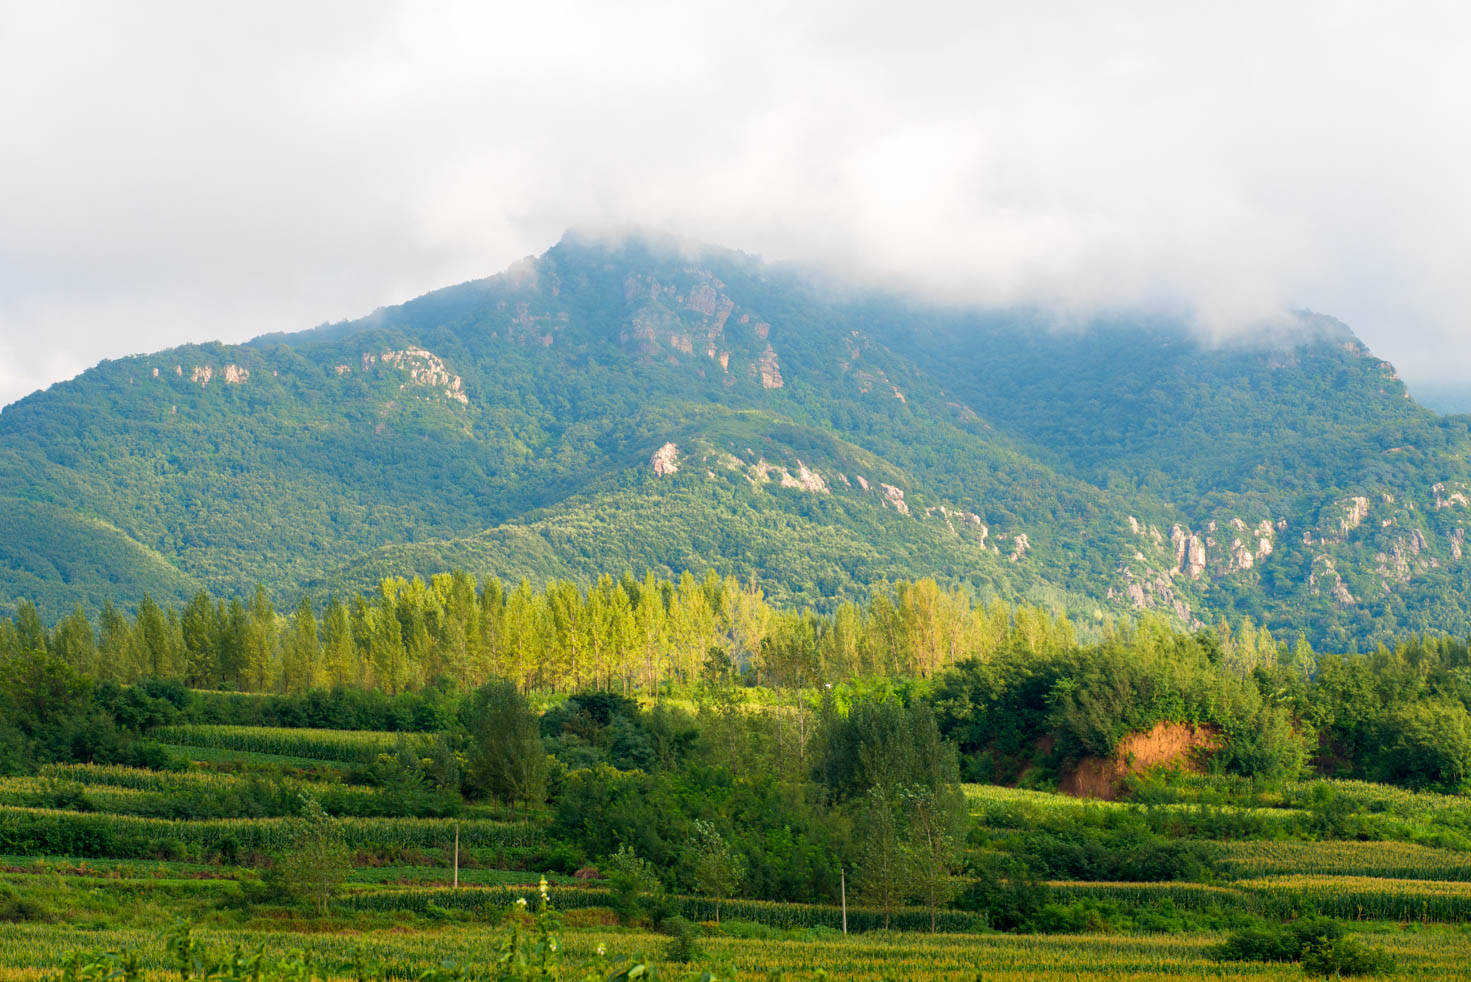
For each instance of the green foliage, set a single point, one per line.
(1109, 846)
(506, 757)
(315, 861)
(1279, 943)
(1318, 943)
(1345, 956)
(716, 869)
(1005, 890)
(1431, 744)
(525, 952)
(683, 945)
(637, 888)
(16, 909)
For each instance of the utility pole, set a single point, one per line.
(457, 855)
(843, 880)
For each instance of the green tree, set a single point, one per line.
(154, 639)
(301, 652)
(506, 756)
(315, 861)
(260, 642)
(1428, 744)
(201, 630)
(716, 868)
(936, 817)
(885, 873)
(74, 643)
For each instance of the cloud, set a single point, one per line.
(176, 173)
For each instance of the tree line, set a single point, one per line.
(624, 635)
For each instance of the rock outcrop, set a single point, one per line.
(665, 461)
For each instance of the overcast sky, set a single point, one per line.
(175, 172)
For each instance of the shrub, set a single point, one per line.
(16, 909)
(1287, 942)
(1345, 956)
(683, 946)
(1005, 891)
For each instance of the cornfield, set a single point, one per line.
(52, 832)
(1391, 860)
(952, 957)
(349, 746)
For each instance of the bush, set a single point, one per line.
(1258, 944)
(1285, 942)
(1427, 744)
(1005, 891)
(16, 909)
(1345, 956)
(683, 946)
(1111, 846)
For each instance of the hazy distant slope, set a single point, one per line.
(511, 426)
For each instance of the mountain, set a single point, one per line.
(647, 404)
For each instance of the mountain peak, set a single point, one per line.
(514, 425)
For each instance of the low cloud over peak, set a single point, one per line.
(178, 177)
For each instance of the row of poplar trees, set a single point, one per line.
(625, 635)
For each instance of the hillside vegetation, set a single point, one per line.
(645, 406)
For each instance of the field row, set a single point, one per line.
(346, 746)
(28, 949)
(55, 832)
(1390, 860)
(1349, 898)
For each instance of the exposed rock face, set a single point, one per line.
(1444, 500)
(804, 480)
(1020, 546)
(1458, 542)
(1402, 560)
(894, 498)
(1194, 557)
(862, 481)
(768, 369)
(1356, 510)
(1241, 557)
(424, 369)
(1324, 572)
(1181, 543)
(202, 374)
(1154, 590)
(235, 375)
(952, 515)
(665, 461)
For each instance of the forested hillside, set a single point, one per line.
(648, 407)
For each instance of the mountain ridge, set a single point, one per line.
(512, 424)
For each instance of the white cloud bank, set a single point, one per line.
(174, 173)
